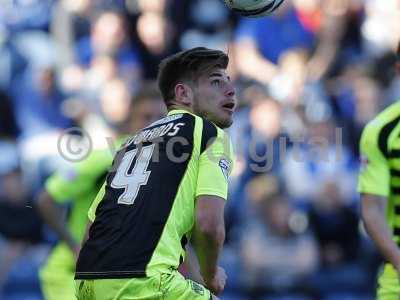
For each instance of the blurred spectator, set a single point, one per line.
(356, 100)
(104, 116)
(380, 27)
(260, 42)
(87, 83)
(208, 25)
(20, 224)
(277, 256)
(314, 27)
(8, 126)
(11, 61)
(316, 158)
(336, 226)
(260, 145)
(328, 20)
(145, 6)
(70, 23)
(108, 37)
(37, 101)
(155, 34)
(25, 15)
(18, 221)
(289, 85)
(262, 154)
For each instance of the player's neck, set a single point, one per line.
(180, 107)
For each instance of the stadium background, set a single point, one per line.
(308, 79)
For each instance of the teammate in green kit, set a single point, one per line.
(78, 186)
(168, 186)
(379, 185)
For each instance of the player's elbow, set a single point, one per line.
(210, 218)
(372, 209)
(213, 228)
(365, 213)
(370, 216)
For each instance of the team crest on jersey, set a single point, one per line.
(197, 288)
(225, 166)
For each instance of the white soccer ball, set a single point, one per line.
(253, 8)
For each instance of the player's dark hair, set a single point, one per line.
(187, 66)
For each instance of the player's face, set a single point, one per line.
(214, 98)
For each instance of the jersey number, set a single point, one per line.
(131, 181)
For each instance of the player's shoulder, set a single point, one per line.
(390, 115)
(101, 153)
(96, 162)
(378, 130)
(97, 159)
(208, 133)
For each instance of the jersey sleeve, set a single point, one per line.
(75, 179)
(374, 176)
(215, 166)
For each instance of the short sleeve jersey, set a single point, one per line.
(380, 163)
(79, 184)
(144, 214)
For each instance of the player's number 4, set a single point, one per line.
(132, 181)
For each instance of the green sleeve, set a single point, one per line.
(95, 203)
(77, 179)
(215, 166)
(374, 176)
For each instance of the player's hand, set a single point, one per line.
(216, 284)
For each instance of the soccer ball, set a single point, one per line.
(253, 8)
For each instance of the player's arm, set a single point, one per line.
(208, 239)
(215, 164)
(67, 185)
(373, 211)
(53, 215)
(374, 188)
(192, 264)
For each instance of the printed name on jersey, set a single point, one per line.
(147, 135)
(225, 166)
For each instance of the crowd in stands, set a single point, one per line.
(308, 79)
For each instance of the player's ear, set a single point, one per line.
(184, 94)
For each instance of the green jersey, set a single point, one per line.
(145, 212)
(77, 185)
(380, 163)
